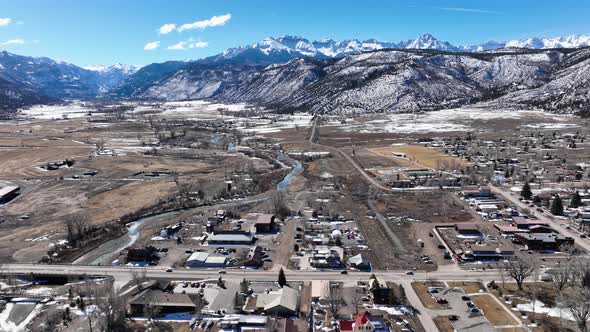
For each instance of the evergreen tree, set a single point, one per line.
(282, 278)
(576, 200)
(526, 192)
(557, 206)
(403, 300)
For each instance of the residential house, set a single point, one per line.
(164, 302)
(282, 302)
(364, 322)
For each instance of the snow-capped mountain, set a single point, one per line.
(572, 41)
(392, 80)
(284, 48)
(51, 80)
(290, 47)
(291, 72)
(428, 42)
(118, 67)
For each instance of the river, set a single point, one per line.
(104, 251)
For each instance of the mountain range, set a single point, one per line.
(328, 76)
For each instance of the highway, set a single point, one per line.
(119, 272)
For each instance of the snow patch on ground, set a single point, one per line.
(8, 326)
(460, 119)
(542, 309)
(56, 112)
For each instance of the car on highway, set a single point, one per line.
(344, 272)
(169, 270)
(410, 273)
(222, 272)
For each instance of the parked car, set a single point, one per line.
(465, 298)
(453, 318)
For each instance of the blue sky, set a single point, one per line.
(88, 32)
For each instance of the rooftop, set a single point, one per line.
(265, 219)
(162, 299)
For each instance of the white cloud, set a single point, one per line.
(13, 42)
(211, 22)
(178, 46)
(199, 44)
(187, 44)
(167, 28)
(5, 21)
(470, 10)
(151, 46)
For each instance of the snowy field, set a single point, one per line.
(281, 122)
(45, 112)
(462, 119)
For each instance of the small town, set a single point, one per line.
(256, 166)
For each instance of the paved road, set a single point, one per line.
(195, 274)
(555, 223)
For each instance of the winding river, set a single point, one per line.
(103, 252)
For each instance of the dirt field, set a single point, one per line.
(495, 314)
(118, 184)
(468, 287)
(421, 157)
(444, 324)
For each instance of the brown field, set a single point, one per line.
(468, 286)
(444, 324)
(495, 313)
(119, 187)
(421, 157)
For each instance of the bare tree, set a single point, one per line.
(111, 309)
(563, 276)
(334, 297)
(519, 269)
(578, 305)
(138, 277)
(279, 204)
(76, 227)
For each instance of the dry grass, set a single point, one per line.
(443, 324)
(494, 312)
(468, 286)
(421, 157)
(421, 289)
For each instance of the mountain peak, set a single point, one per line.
(284, 48)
